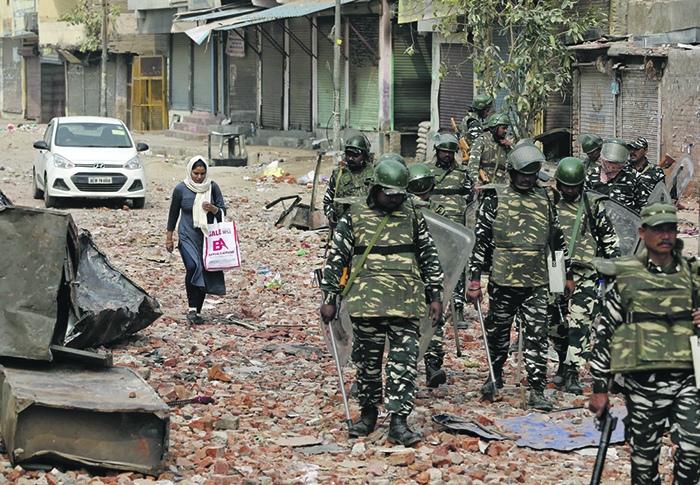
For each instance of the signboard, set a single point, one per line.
(235, 45)
(19, 8)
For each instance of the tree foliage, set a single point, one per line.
(90, 17)
(538, 62)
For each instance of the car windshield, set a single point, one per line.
(92, 135)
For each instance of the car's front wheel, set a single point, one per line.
(37, 193)
(49, 201)
(138, 202)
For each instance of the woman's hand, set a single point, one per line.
(169, 245)
(209, 207)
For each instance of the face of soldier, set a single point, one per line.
(659, 240)
(445, 157)
(354, 158)
(424, 196)
(637, 155)
(501, 131)
(594, 155)
(389, 203)
(569, 192)
(523, 180)
(487, 113)
(611, 169)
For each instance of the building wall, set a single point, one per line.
(644, 17)
(680, 96)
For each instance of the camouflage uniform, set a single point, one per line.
(387, 298)
(490, 156)
(454, 191)
(344, 182)
(662, 386)
(624, 188)
(513, 228)
(588, 164)
(571, 337)
(471, 128)
(649, 175)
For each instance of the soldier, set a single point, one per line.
(613, 179)
(487, 160)
(644, 335)
(453, 190)
(351, 180)
(394, 268)
(590, 145)
(420, 184)
(472, 127)
(588, 232)
(649, 174)
(516, 222)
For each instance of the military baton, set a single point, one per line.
(488, 353)
(606, 425)
(338, 367)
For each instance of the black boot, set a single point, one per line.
(400, 433)
(434, 376)
(559, 379)
(487, 388)
(365, 425)
(537, 400)
(572, 384)
(459, 318)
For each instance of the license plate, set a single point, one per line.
(99, 180)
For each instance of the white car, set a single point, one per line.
(88, 156)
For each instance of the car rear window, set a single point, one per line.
(92, 135)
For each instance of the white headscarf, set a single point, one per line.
(203, 191)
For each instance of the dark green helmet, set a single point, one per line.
(420, 179)
(570, 171)
(498, 119)
(590, 142)
(526, 158)
(392, 156)
(390, 174)
(447, 142)
(481, 101)
(615, 150)
(359, 143)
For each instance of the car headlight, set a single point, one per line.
(134, 163)
(62, 162)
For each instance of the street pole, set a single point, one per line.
(336, 79)
(103, 74)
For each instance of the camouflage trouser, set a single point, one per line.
(435, 354)
(368, 352)
(531, 306)
(571, 338)
(651, 398)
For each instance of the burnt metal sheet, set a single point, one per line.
(109, 305)
(68, 413)
(39, 258)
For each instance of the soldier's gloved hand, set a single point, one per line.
(327, 313)
(569, 290)
(435, 313)
(598, 403)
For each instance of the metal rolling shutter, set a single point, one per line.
(272, 76)
(412, 79)
(559, 111)
(53, 92)
(11, 76)
(639, 106)
(325, 78)
(300, 75)
(180, 72)
(242, 84)
(457, 87)
(363, 111)
(203, 76)
(596, 106)
(33, 69)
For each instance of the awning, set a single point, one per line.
(290, 10)
(214, 14)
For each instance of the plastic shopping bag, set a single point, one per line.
(221, 250)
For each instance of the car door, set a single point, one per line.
(42, 157)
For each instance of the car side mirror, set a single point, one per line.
(41, 145)
(141, 147)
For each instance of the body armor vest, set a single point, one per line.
(449, 189)
(389, 283)
(520, 234)
(585, 247)
(657, 319)
(352, 184)
(493, 160)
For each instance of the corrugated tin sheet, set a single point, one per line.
(412, 78)
(294, 9)
(560, 108)
(300, 75)
(457, 87)
(639, 106)
(272, 75)
(363, 111)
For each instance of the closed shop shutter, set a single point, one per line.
(412, 80)
(325, 78)
(242, 81)
(596, 105)
(457, 87)
(11, 76)
(180, 72)
(300, 75)
(363, 111)
(53, 92)
(272, 75)
(559, 111)
(33, 68)
(639, 111)
(203, 82)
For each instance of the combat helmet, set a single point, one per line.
(447, 142)
(359, 143)
(570, 171)
(420, 179)
(615, 150)
(392, 175)
(392, 156)
(498, 119)
(525, 158)
(482, 101)
(590, 142)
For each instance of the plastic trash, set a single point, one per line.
(273, 169)
(307, 179)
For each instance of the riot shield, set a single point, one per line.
(454, 244)
(625, 221)
(660, 194)
(471, 214)
(680, 177)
